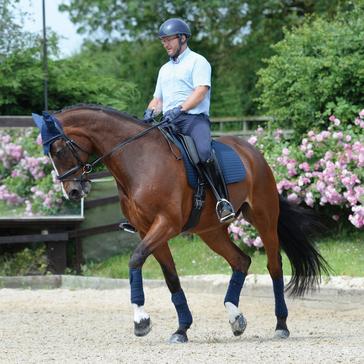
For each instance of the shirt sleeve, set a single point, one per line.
(158, 89)
(201, 75)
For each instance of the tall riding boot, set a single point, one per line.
(224, 209)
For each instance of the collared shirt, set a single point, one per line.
(178, 79)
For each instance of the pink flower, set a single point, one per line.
(293, 198)
(257, 242)
(285, 151)
(357, 218)
(309, 200)
(39, 139)
(260, 131)
(253, 140)
(305, 167)
(278, 134)
(309, 154)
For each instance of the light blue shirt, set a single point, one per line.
(178, 79)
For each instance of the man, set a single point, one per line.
(183, 94)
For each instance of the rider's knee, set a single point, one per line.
(204, 154)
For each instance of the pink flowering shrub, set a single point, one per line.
(27, 182)
(325, 171)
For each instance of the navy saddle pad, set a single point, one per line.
(230, 164)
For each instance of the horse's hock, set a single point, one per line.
(95, 326)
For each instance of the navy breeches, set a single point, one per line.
(198, 127)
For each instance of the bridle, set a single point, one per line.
(87, 168)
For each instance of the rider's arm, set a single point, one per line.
(195, 98)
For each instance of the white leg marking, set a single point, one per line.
(232, 311)
(139, 313)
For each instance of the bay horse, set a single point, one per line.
(156, 199)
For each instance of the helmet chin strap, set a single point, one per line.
(178, 51)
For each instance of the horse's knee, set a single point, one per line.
(243, 263)
(246, 263)
(138, 257)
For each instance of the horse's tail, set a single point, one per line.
(296, 226)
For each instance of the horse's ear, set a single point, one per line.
(49, 122)
(50, 129)
(38, 120)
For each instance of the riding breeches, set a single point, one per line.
(198, 127)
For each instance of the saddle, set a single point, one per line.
(226, 160)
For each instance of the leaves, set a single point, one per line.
(315, 73)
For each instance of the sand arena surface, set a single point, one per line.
(95, 326)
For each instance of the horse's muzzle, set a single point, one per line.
(75, 194)
(79, 190)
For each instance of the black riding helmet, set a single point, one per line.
(175, 26)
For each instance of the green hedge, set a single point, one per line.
(317, 71)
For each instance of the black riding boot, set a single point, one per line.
(224, 209)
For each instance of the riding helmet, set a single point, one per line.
(174, 26)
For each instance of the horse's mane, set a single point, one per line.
(106, 109)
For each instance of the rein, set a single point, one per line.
(88, 167)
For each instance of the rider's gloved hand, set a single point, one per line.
(148, 116)
(173, 114)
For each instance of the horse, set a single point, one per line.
(156, 199)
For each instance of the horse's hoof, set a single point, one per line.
(239, 325)
(179, 338)
(143, 327)
(281, 334)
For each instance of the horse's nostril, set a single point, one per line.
(74, 195)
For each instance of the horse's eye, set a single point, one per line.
(59, 152)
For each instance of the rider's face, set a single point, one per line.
(170, 44)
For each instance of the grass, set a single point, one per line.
(192, 257)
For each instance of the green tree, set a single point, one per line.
(74, 80)
(318, 70)
(235, 36)
(71, 81)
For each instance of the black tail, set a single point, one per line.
(296, 227)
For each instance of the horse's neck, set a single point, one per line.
(106, 133)
(129, 163)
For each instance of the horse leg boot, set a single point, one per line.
(237, 320)
(152, 240)
(165, 259)
(142, 323)
(219, 241)
(212, 173)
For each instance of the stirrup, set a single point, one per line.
(230, 213)
(127, 227)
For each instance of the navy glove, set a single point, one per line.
(148, 116)
(173, 114)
